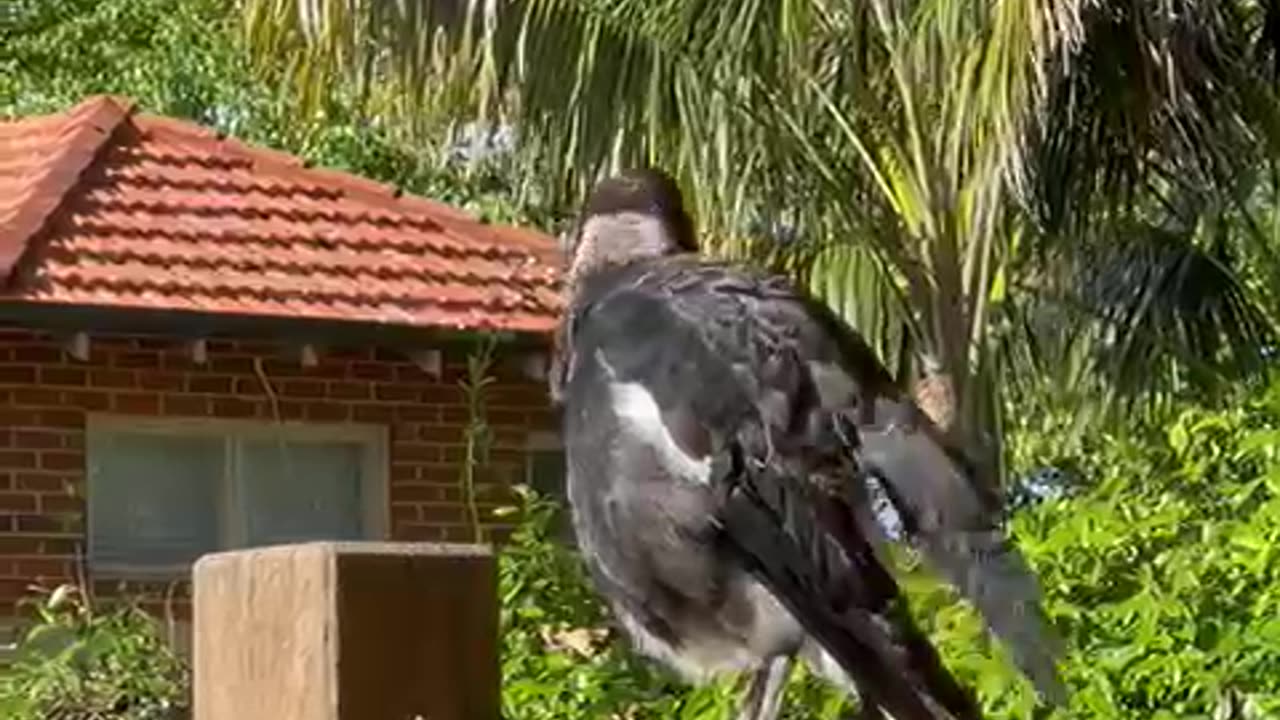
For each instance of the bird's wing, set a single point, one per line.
(948, 513)
(743, 350)
(727, 386)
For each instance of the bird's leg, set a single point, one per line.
(764, 695)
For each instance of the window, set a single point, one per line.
(545, 473)
(545, 466)
(161, 494)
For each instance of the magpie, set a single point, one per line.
(724, 433)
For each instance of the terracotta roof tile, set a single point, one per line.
(103, 206)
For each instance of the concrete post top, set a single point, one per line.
(353, 547)
(347, 631)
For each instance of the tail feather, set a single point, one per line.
(945, 516)
(826, 573)
(995, 577)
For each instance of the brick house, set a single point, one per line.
(207, 345)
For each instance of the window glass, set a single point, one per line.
(160, 500)
(300, 491)
(154, 499)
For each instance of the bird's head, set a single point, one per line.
(630, 216)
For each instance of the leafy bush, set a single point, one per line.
(1160, 567)
(76, 663)
(1164, 573)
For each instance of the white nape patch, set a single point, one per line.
(618, 237)
(639, 412)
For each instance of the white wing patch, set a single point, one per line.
(639, 413)
(888, 517)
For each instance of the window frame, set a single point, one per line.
(232, 527)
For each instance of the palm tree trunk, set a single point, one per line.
(963, 404)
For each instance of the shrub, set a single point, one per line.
(1160, 566)
(76, 663)
(1164, 572)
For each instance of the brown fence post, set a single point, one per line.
(347, 631)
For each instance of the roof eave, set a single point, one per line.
(193, 325)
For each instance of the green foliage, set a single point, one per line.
(183, 58)
(174, 58)
(77, 663)
(1161, 572)
(1165, 575)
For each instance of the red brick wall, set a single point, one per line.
(45, 395)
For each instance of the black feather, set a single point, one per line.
(804, 546)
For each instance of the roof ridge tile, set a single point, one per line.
(87, 130)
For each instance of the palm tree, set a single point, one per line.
(1004, 197)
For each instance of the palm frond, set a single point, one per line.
(1155, 314)
(934, 156)
(1156, 91)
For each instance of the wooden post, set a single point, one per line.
(347, 631)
